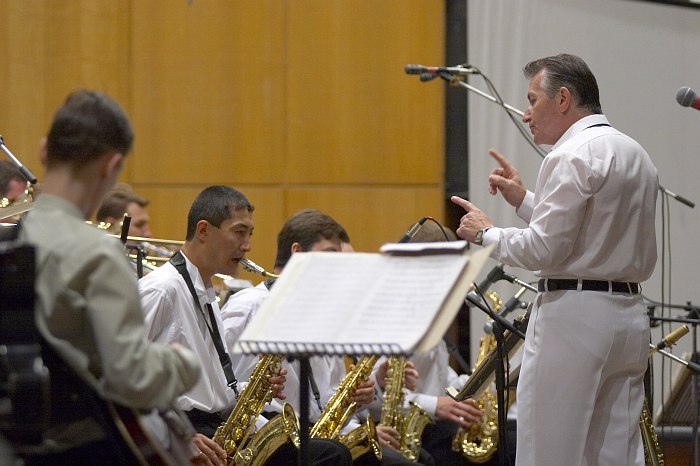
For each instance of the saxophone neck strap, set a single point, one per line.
(178, 261)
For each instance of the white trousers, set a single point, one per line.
(581, 388)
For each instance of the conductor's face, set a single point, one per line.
(543, 114)
(229, 243)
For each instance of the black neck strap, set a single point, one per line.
(178, 261)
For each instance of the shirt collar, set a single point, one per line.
(208, 295)
(51, 202)
(579, 126)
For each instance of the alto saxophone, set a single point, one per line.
(479, 443)
(653, 456)
(410, 426)
(340, 407)
(234, 434)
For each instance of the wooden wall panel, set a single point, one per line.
(50, 48)
(299, 103)
(372, 216)
(208, 89)
(354, 115)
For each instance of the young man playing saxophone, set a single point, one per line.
(307, 230)
(219, 229)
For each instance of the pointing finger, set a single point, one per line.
(465, 204)
(501, 159)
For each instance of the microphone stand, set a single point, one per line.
(26, 173)
(499, 374)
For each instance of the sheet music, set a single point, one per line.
(376, 299)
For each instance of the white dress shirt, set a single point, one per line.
(171, 317)
(574, 210)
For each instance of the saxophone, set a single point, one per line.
(411, 426)
(340, 407)
(234, 434)
(479, 443)
(653, 456)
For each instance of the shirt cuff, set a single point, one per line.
(526, 207)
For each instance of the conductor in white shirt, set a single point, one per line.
(591, 239)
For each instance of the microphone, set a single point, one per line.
(411, 232)
(688, 98)
(512, 304)
(516, 281)
(494, 275)
(436, 70)
(669, 340)
(425, 77)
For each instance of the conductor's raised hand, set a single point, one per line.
(506, 180)
(473, 221)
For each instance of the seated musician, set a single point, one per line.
(87, 307)
(219, 229)
(307, 230)
(122, 200)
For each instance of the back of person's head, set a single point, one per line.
(215, 204)
(571, 72)
(431, 232)
(88, 125)
(8, 173)
(306, 227)
(114, 204)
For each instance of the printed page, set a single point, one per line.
(327, 302)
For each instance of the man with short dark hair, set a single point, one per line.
(87, 306)
(120, 201)
(591, 239)
(181, 307)
(306, 231)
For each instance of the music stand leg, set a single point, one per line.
(500, 378)
(304, 382)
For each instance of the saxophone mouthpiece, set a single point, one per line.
(251, 266)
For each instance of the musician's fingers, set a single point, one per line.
(465, 204)
(210, 453)
(501, 159)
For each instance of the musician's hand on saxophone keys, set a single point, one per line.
(410, 376)
(463, 413)
(364, 393)
(210, 453)
(277, 384)
(388, 436)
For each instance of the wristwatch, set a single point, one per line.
(479, 239)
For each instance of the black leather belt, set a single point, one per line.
(557, 284)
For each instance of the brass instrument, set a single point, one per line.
(410, 426)
(340, 407)
(653, 456)
(234, 435)
(479, 443)
(11, 210)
